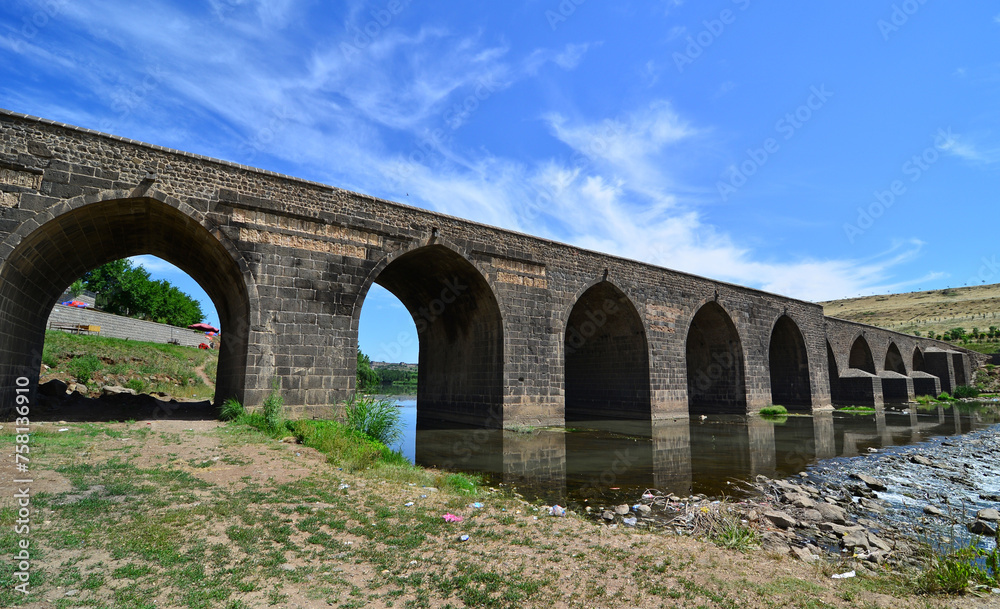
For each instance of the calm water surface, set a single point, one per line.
(609, 461)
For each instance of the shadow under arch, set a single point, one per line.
(715, 369)
(460, 331)
(918, 359)
(894, 360)
(789, 366)
(88, 234)
(606, 357)
(861, 356)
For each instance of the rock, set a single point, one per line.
(989, 515)
(857, 539)
(289, 440)
(993, 498)
(873, 483)
(981, 527)
(832, 513)
(839, 530)
(804, 555)
(76, 388)
(780, 519)
(812, 515)
(930, 510)
(622, 509)
(608, 515)
(921, 460)
(644, 510)
(877, 542)
(872, 505)
(53, 389)
(116, 390)
(799, 500)
(287, 567)
(774, 542)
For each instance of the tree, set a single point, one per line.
(367, 377)
(125, 289)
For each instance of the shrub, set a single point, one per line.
(965, 391)
(944, 397)
(83, 368)
(231, 410)
(376, 418)
(137, 385)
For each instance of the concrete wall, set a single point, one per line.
(116, 326)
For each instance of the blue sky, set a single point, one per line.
(815, 149)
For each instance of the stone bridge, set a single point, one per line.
(513, 329)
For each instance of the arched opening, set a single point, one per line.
(894, 360)
(460, 335)
(918, 360)
(715, 369)
(789, 366)
(861, 356)
(607, 358)
(60, 251)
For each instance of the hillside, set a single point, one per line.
(924, 313)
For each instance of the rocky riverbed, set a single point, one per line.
(882, 507)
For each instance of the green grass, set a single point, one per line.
(773, 411)
(84, 358)
(377, 418)
(857, 409)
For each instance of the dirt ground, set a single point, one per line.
(350, 540)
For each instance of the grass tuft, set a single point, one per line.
(377, 418)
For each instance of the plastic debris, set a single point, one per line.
(557, 510)
(630, 521)
(476, 506)
(463, 538)
(343, 486)
(449, 517)
(64, 429)
(847, 575)
(408, 504)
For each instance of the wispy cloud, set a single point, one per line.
(359, 116)
(963, 147)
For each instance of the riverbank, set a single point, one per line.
(174, 513)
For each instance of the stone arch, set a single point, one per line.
(894, 360)
(65, 242)
(861, 356)
(715, 365)
(606, 357)
(789, 365)
(460, 330)
(918, 360)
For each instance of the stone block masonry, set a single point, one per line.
(513, 329)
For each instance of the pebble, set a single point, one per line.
(930, 510)
(622, 509)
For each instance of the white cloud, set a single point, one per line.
(348, 115)
(961, 146)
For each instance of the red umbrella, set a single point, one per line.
(203, 327)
